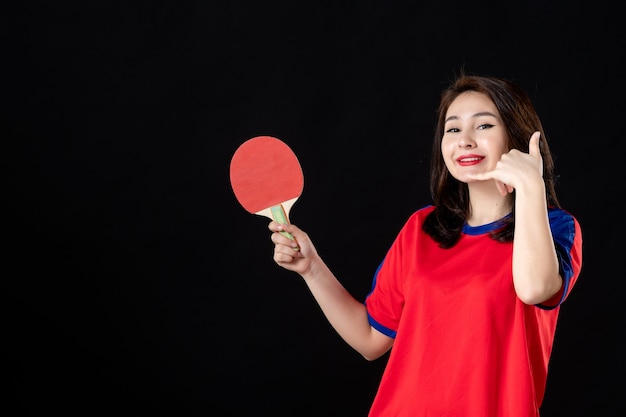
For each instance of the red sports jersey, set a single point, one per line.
(465, 345)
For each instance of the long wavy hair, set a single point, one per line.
(450, 196)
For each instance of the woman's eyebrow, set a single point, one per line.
(479, 114)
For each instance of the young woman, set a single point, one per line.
(467, 297)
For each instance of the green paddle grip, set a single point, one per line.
(278, 213)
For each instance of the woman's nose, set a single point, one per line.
(466, 141)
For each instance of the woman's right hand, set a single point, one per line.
(294, 255)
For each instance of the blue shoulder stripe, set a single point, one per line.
(563, 232)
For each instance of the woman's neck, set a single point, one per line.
(487, 205)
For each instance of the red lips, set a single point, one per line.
(471, 159)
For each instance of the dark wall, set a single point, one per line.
(135, 283)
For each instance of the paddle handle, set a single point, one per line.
(279, 215)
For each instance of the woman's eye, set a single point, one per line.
(485, 126)
(452, 130)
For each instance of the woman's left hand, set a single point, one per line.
(515, 167)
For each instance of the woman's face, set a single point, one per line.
(474, 136)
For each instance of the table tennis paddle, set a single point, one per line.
(266, 177)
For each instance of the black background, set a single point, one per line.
(134, 282)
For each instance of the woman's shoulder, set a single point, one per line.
(563, 222)
(423, 211)
(420, 214)
(560, 215)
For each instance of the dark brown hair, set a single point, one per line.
(450, 196)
